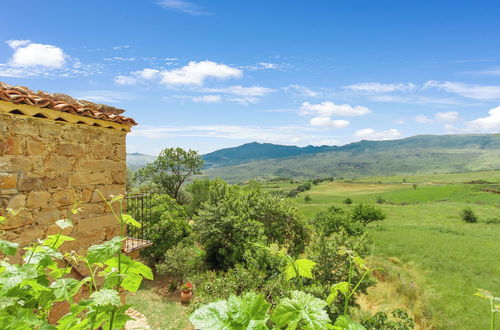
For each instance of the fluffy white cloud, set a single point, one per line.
(327, 109)
(137, 76)
(241, 90)
(208, 98)
(125, 80)
(478, 92)
(488, 124)
(27, 54)
(371, 134)
(377, 87)
(328, 122)
(422, 119)
(195, 73)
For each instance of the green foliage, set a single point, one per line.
(346, 323)
(334, 220)
(400, 321)
(301, 311)
(167, 226)
(29, 290)
(367, 213)
(307, 199)
(198, 191)
(468, 215)
(171, 169)
(348, 201)
(494, 305)
(182, 260)
(234, 217)
(246, 312)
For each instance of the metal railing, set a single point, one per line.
(139, 207)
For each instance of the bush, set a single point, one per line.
(348, 201)
(366, 213)
(234, 217)
(198, 194)
(182, 260)
(468, 215)
(400, 320)
(380, 200)
(168, 226)
(334, 220)
(307, 199)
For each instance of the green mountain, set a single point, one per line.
(417, 154)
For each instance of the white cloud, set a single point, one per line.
(125, 80)
(183, 6)
(195, 73)
(440, 117)
(478, 92)
(28, 54)
(263, 66)
(103, 96)
(371, 134)
(422, 119)
(377, 87)
(488, 124)
(120, 47)
(327, 109)
(328, 122)
(208, 98)
(137, 76)
(298, 90)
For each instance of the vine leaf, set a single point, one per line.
(8, 248)
(129, 220)
(304, 268)
(106, 297)
(342, 287)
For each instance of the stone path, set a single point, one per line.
(138, 322)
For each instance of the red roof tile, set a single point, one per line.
(62, 102)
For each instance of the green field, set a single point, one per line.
(441, 258)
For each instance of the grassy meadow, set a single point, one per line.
(433, 260)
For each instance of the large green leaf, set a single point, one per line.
(106, 297)
(346, 323)
(304, 268)
(102, 252)
(8, 248)
(212, 316)
(64, 288)
(42, 255)
(237, 313)
(14, 275)
(132, 272)
(64, 223)
(301, 310)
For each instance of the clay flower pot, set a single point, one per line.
(186, 296)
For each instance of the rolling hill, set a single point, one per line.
(414, 155)
(418, 154)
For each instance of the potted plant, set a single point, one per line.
(186, 293)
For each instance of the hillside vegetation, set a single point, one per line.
(432, 260)
(416, 155)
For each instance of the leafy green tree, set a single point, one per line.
(367, 213)
(307, 199)
(334, 220)
(468, 215)
(198, 191)
(171, 169)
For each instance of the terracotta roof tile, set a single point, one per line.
(64, 103)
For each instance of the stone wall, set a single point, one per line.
(47, 166)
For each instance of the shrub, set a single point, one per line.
(334, 220)
(348, 201)
(400, 320)
(168, 226)
(234, 217)
(468, 215)
(366, 213)
(198, 194)
(307, 199)
(182, 260)
(380, 200)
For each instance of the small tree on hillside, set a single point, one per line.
(307, 199)
(366, 213)
(468, 215)
(171, 169)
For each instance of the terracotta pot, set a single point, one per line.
(186, 296)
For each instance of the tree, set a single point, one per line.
(307, 199)
(366, 213)
(171, 169)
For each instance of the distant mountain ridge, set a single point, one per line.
(416, 154)
(260, 151)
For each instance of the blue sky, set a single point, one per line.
(212, 74)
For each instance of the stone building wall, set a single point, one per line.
(46, 166)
